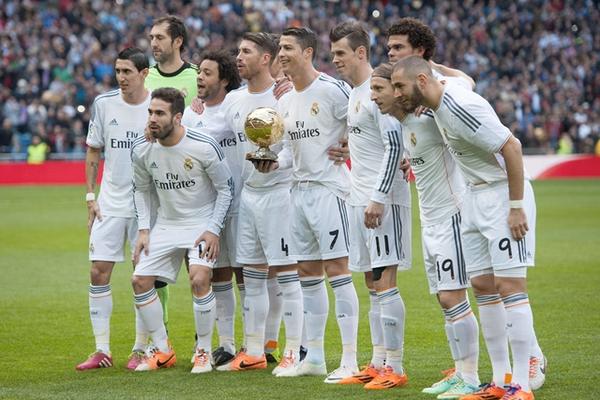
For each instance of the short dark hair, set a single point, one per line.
(354, 32)
(267, 42)
(419, 35)
(136, 56)
(172, 96)
(227, 67)
(176, 28)
(413, 66)
(383, 70)
(305, 36)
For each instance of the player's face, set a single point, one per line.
(399, 48)
(128, 77)
(406, 92)
(163, 47)
(344, 58)
(249, 59)
(208, 81)
(291, 56)
(382, 93)
(161, 122)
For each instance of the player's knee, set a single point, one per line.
(100, 273)
(200, 286)
(450, 298)
(507, 286)
(222, 274)
(484, 285)
(337, 266)
(141, 284)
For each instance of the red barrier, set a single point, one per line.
(48, 173)
(585, 167)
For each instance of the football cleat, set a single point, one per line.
(96, 360)
(366, 375)
(272, 352)
(157, 360)
(387, 379)
(201, 362)
(302, 353)
(304, 368)
(486, 392)
(245, 362)
(537, 372)
(135, 358)
(459, 389)
(288, 362)
(516, 393)
(221, 356)
(337, 375)
(442, 386)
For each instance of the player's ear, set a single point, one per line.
(145, 72)
(362, 52)
(422, 80)
(177, 118)
(308, 53)
(178, 42)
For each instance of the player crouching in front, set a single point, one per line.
(194, 188)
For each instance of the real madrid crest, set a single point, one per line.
(357, 107)
(91, 248)
(413, 139)
(314, 110)
(187, 164)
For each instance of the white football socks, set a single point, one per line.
(101, 304)
(316, 308)
(493, 326)
(204, 317)
(256, 307)
(225, 315)
(151, 312)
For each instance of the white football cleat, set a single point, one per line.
(288, 361)
(202, 362)
(537, 371)
(304, 368)
(338, 374)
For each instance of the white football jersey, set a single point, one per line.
(474, 134)
(376, 150)
(315, 119)
(438, 180)
(236, 107)
(191, 178)
(114, 125)
(212, 122)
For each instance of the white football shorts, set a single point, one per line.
(319, 223)
(167, 248)
(487, 240)
(228, 244)
(387, 245)
(443, 255)
(264, 227)
(107, 238)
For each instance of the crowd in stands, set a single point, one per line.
(536, 61)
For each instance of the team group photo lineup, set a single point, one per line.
(266, 180)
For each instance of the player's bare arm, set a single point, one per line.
(92, 164)
(141, 244)
(517, 220)
(211, 246)
(452, 72)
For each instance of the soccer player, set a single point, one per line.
(263, 227)
(118, 118)
(379, 209)
(498, 213)
(440, 187)
(217, 76)
(315, 118)
(168, 39)
(195, 189)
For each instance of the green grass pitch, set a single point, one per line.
(45, 328)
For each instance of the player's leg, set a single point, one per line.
(222, 286)
(204, 306)
(273, 317)
(106, 246)
(378, 356)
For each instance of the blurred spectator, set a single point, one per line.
(37, 151)
(537, 61)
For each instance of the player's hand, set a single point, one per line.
(420, 110)
(282, 86)
(197, 105)
(405, 168)
(210, 249)
(141, 243)
(517, 222)
(339, 154)
(373, 214)
(93, 213)
(265, 166)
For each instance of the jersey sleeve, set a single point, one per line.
(95, 135)
(477, 120)
(340, 100)
(220, 175)
(391, 136)
(188, 117)
(142, 187)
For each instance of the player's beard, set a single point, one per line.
(165, 132)
(163, 56)
(416, 100)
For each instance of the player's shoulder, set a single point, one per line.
(109, 96)
(235, 95)
(203, 142)
(140, 146)
(332, 88)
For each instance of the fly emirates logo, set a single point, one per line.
(301, 132)
(125, 143)
(173, 183)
